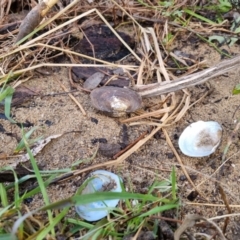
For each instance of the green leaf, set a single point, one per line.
(220, 39)
(224, 5)
(236, 90)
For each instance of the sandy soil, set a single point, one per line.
(59, 114)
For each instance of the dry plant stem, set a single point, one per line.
(19, 72)
(130, 145)
(211, 176)
(180, 161)
(156, 89)
(211, 205)
(159, 56)
(132, 67)
(77, 86)
(190, 221)
(72, 97)
(49, 5)
(150, 114)
(225, 200)
(138, 231)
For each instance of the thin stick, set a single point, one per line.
(156, 89)
(130, 145)
(211, 204)
(180, 161)
(72, 97)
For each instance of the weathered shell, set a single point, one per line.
(200, 139)
(93, 81)
(114, 101)
(101, 181)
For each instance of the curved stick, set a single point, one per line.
(156, 89)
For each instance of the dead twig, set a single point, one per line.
(130, 145)
(73, 98)
(190, 221)
(225, 200)
(180, 161)
(156, 89)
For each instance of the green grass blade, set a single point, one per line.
(199, 16)
(7, 236)
(3, 195)
(80, 223)
(40, 181)
(159, 209)
(7, 108)
(51, 226)
(174, 184)
(4, 92)
(94, 197)
(38, 189)
(21, 145)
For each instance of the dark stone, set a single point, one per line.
(192, 196)
(48, 123)
(94, 120)
(109, 149)
(28, 200)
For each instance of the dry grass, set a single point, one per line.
(20, 60)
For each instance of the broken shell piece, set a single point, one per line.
(93, 81)
(114, 101)
(100, 181)
(200, 139)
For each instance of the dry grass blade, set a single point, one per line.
(225, 200)
(150, 114)
(73, 98)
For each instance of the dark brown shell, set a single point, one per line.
(114, 101)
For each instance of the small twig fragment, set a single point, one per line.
(130, 145)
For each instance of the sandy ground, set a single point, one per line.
(59, 114)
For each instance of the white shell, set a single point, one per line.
(101, 181)
(200, 139)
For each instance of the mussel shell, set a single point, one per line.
(200, 139)
(114, 101)
(100, 181)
